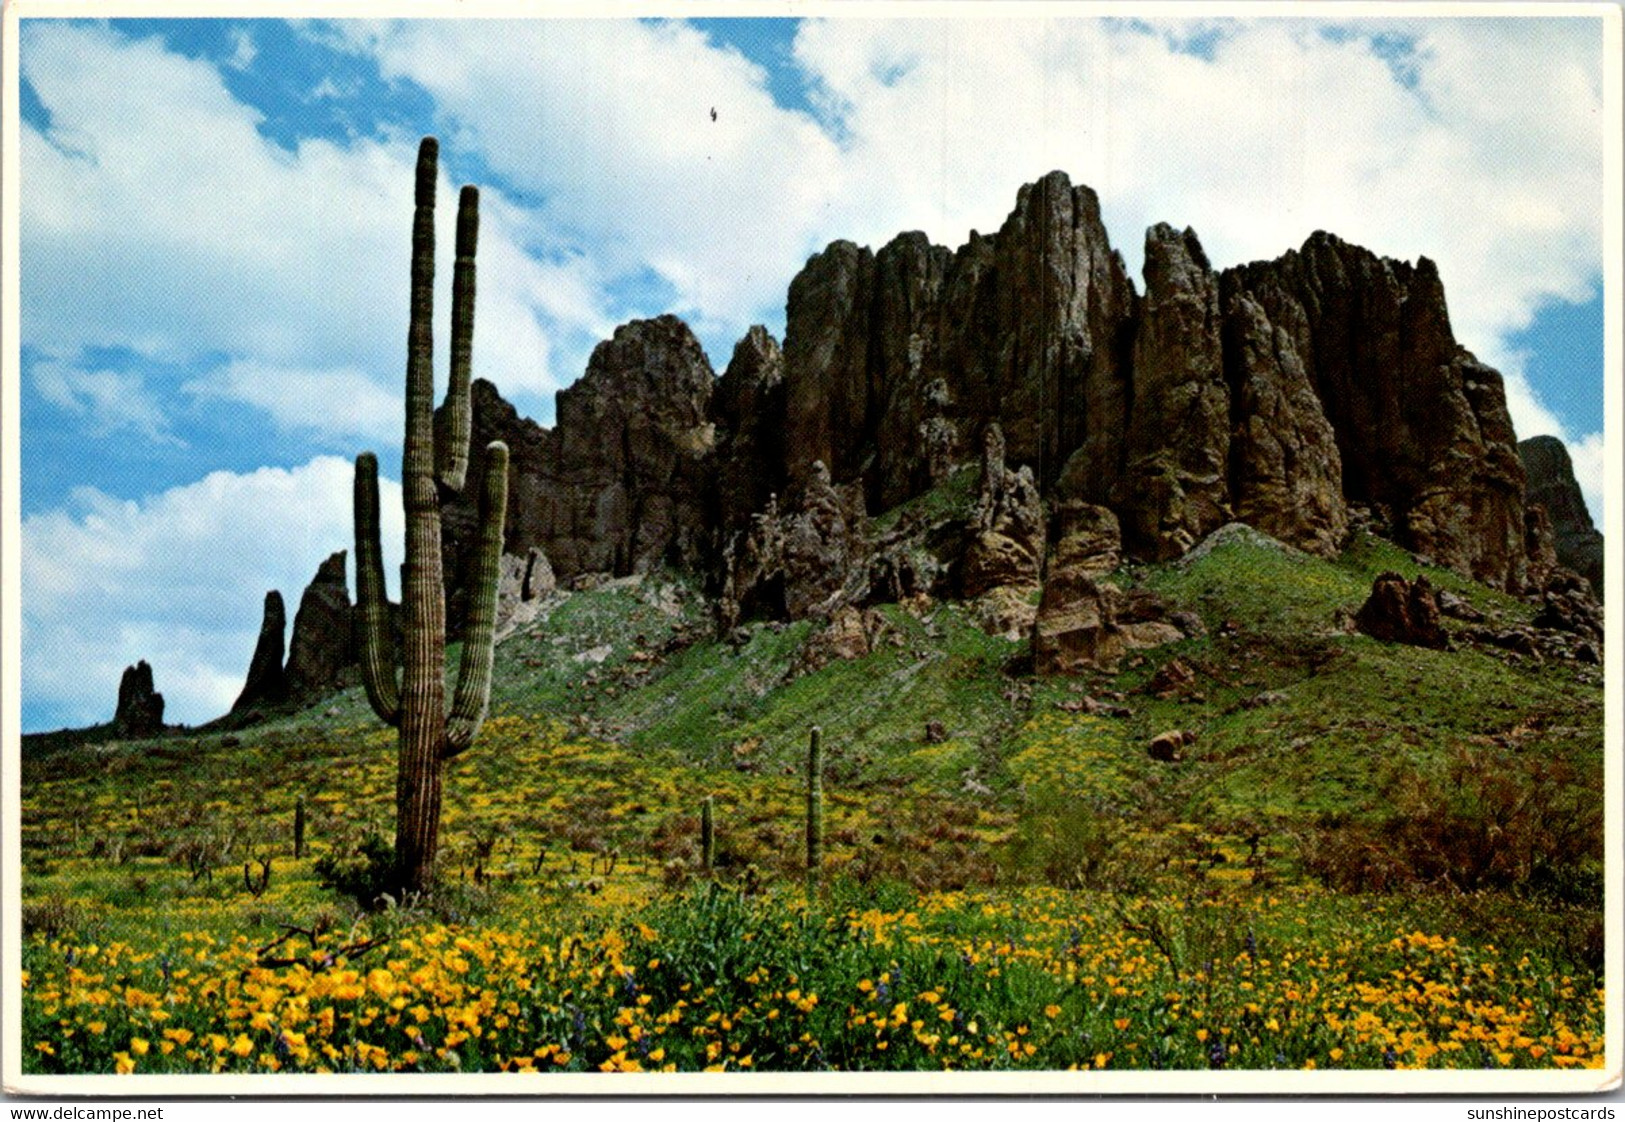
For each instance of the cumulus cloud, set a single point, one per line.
(187, 236)
(305, 399)
(178, 579)
(609, 124)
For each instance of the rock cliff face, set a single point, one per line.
(1299, 396)
(622, 482)
(1551, 486)
(1290, 394)
(266, 683)
(897, 361)
(747, 412)
(1421, 427)
(323, 645)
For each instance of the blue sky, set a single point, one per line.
(204, 278)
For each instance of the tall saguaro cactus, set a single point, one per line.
(433, 463)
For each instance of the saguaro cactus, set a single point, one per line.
(815, 804)
(432, 462)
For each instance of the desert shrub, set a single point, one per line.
(370, 882)
(1064, 841)
(51, 917)
(1482, 822)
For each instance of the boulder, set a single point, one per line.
(140, 709)
(1076, 626)
(1173, 678)
(1573, 610)
(850, 633)
(1169, 746)
(1008, 611)
(1087, 539)
(1401, 611)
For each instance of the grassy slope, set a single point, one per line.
(612, 717)
(1353, 721)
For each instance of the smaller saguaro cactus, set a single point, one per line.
(708, 836)
(815, 804)
(299, 828)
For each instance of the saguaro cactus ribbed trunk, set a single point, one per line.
(432, 463)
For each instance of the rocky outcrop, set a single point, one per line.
(808, 560)
(1572, 609)
(323, 647)
(1421, 426)
(1540, 543)
(266, 684)
(1401, 611)
(621, 483)
(1087, 539)
(896, 361)
(522, 584)
(1550, 483)
(1286, 476)
(1293, 395)
(1174, 487)
(1086, 624)
(140, 709)
(747, 410)
(1004, 542)
(631, 456)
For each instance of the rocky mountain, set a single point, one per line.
(1302, 396)
(1550, 485)
(1292, 395)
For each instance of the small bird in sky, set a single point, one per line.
(713, 112)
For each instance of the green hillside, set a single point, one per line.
(1372, 854)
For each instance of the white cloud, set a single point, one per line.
(341, 402)
(243, 52)
(184, 234)
(1489, 162)
(1590, 471)
(110, 401)
(609, 122)
(179, 579)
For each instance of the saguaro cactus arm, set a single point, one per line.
(377, 634)
(457, 418)
(479, 633)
